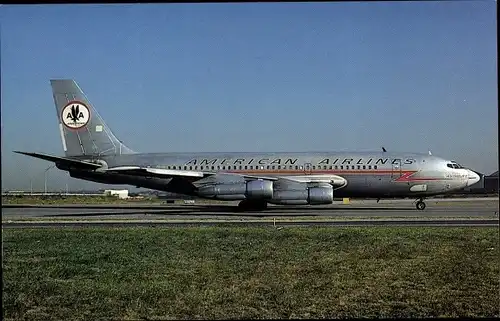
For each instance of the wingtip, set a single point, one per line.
(23, 153)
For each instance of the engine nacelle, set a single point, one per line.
(311, 195)
(257, 189)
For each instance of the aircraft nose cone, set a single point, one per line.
(473, 178)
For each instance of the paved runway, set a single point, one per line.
(468, 212)
(158, 223)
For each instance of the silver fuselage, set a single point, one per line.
(94, 153)
(368, 174)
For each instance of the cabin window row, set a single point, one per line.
(271, 167)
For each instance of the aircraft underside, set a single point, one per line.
(253, 194)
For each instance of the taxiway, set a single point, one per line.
(445, 212)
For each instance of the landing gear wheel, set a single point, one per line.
(247, 205)
(420, 205)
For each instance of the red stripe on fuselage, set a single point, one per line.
(314, 172)
(406, 176)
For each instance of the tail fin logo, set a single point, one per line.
(75, 115)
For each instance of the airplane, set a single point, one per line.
(94, 153)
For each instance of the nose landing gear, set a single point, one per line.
(420, 205)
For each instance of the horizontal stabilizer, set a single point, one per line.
(62, 160)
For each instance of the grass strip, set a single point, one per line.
(215, 272)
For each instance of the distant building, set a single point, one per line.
(119, 193)
(491, 183)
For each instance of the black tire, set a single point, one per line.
(420, 206)
(247, 205)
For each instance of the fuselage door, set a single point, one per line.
(396, 169)
(307, 168)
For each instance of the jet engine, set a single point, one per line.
(312, 195)
(256, 189)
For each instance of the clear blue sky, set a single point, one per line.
(255, 77)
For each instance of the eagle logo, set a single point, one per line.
(75, 115)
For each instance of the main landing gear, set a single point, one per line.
(252, 205)
(420, 205)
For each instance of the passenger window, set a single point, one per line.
(201, 167)
(240, 166)
(369, 166)
(223, 167)
(245, 167)
(352, 166)
(218, 167)
(364, 166)
(449, 165)
(267, 166)
(314, 166)
(374, 166)
(359, 167)
(229, 167)
(279, 167)
(341, 166)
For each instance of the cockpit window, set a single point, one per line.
(454, 165)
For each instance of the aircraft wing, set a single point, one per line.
(155, 172)
(335, 180)
(171, 173)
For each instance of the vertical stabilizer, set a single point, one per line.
(83, 131)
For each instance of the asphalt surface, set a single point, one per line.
(400, 223)
(460, 212)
